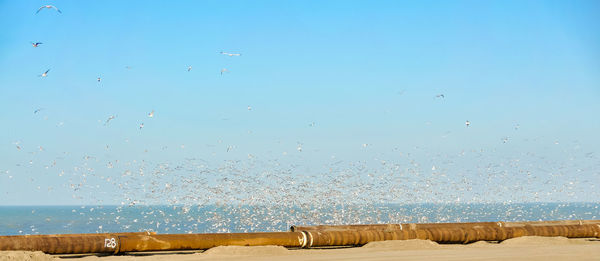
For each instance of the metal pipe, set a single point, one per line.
(67, 243)
(136, 243)
(390, 227)
(413, 226)
(72, 244)
(318, 238)
(441, 233)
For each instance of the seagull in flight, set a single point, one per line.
(189, 68)
(440, 96)
(36, 44)
(224, 71)
(44, 74)
(49, 7)
(99, 79)
(141, 125)
(468, 123)
(230, 54)
(151, 114)
(38, 110)
(111, 117)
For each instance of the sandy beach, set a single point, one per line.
(524, 248)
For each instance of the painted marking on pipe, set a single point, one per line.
(110, 242)
(304, 241)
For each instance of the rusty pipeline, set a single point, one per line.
(413, 226)
(139, 242)
(102, 243)
(319, 238)
(391, 227)
(67, 243)
(353, 235)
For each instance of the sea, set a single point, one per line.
(179, 219)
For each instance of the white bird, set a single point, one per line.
(111, 117)
(440, 96)
(141, 125)
(151, 114)
(230, 54)
(249, 108)
(468, 123)
(36, 44)
(99, 79)
(224, 70)
(44, 74)
(49, 7)
(189, 68)
(37, 110)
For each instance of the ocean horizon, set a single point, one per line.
(177, 219)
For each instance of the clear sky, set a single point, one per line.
(317, 82)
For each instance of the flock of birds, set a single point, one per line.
(193, 195)
(99, 79)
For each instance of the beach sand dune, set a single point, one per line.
(24, 256)
(523, 248)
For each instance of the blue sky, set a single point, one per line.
(364, 72)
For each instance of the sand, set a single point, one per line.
(24, 255)
(524, 248)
